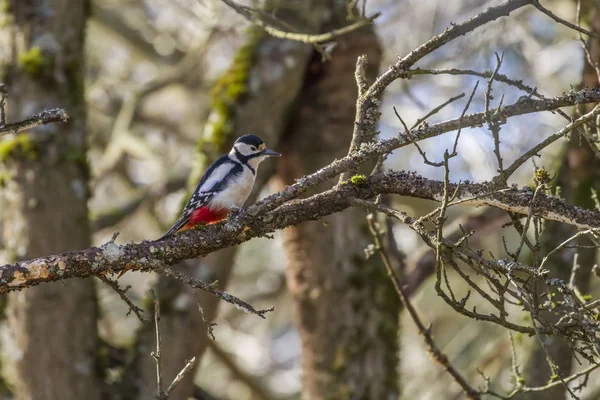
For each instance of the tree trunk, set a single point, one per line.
(346, 309)
(53, 327)
(579, 173)
(271, 72)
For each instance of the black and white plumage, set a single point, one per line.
(225, 185)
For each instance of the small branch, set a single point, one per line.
(359, 154)
(486, 74)
(160, 394)
(194, 283)
(42, 118)
(361, 74)
(527, 222)
(561, 21)
(494, 126)
(252, 15)
(114, 285)
(400, 69)
(549, 140)
(189, 366)
(560, 246)
(586, 50)
(209, 325)
(527, 389)
(433, 349)
(436, 110)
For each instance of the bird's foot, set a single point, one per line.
(236, 211)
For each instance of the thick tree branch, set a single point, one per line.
(243, 226)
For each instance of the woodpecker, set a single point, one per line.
(225, 185)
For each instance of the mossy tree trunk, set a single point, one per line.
(53, 327)
(578, 175)
(256, 95)
(346, 309)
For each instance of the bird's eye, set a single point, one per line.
(253, 148)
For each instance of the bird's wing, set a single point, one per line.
(213, 180)
(197, 200)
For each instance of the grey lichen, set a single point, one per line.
(112, 252)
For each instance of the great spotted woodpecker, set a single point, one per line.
(225, 185)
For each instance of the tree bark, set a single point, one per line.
(53, 327)
(346, 309)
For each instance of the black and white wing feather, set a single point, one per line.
(213, 180)
(197, 200)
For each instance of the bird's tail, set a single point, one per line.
(176, 227)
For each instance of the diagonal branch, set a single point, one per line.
(243, 226)
(365, 153)
(433, 348)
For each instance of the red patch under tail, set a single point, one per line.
(204, 215)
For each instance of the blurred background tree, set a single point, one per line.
(47, 194)
(164, 87)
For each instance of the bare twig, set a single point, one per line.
(366, 153)
(527, 222)
(436, 110)
(252, 15)
(586, 50)
(494, 125)
(486, 74)
(209, 325)
(194, 283)
(114, 285)
(160, 394)
(42, 118)
(561, 21)
(434, 350)
(549, 140)
(189, 366)
(560, 246)
(361, 75)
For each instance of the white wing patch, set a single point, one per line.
(215, 177)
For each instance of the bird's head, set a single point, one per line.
(251, 149)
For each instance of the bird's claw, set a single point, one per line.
(235, 211)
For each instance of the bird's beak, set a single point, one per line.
(270, 153)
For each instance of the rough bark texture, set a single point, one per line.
(53, 327)
(154, 255)
(275, 76)
(579, 173)
(346, 309)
